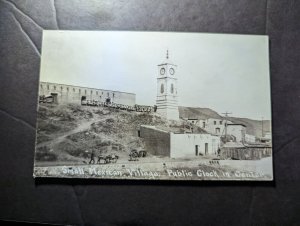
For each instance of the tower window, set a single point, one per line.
(61, 88)
(73, 89)
(162, 89)
(54, 87)
(91, 91)
(172, 88)
(48, 87)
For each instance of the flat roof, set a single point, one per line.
(236, 124)
(86, 87)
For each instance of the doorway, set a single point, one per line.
(54, 96)
(206, 148)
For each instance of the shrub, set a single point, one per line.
(43, 154)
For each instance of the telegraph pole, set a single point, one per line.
(226, 115)
(262, 127)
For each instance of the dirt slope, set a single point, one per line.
(73, 132)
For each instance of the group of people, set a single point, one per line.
(137, 108)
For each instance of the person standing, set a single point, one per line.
(92, 161)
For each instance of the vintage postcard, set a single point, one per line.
(154, 105)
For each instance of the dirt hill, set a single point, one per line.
(200, 113)
(73, 132)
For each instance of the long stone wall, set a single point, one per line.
(74, 94)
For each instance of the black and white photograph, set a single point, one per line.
(154, 106)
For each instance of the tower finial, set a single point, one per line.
(167, 54)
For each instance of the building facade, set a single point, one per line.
(250, 138)
(215, 126)
(167, 96)
(238, 131)
(75, 94)
(178, 145)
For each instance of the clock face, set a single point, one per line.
(162, 71)
(172, 71)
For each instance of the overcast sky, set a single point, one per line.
(219, 71)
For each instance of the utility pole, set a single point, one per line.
(262, 127)
(226, 115)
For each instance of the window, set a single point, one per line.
(67, 89)
(73, 89)
(107, 94)
(162, 88)
(215, 122)
(91, 91)
(79, 90)
(221, 122)
(85, 91)
(113, 94)
(203, 124)
(54, 87)
(61, 88)
(96, 92)
(172, 88)
(217, 130)
(48, 87)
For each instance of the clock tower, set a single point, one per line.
(167, 97)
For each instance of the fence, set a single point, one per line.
(245, 153)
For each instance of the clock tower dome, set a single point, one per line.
(167, 97)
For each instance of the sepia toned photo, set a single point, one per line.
(154, 105)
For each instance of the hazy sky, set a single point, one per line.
(219, 71)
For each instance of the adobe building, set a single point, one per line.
(178, 145)
(75, 94)
(167, 96)
(238, 131)
(214, 126)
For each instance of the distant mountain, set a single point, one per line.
(253, 127)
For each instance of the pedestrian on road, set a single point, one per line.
(92, 161)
